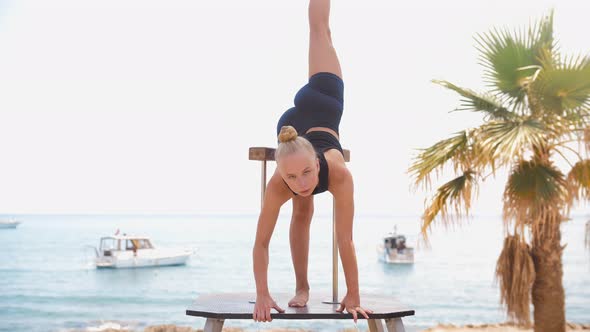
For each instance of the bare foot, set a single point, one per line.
(300, 299)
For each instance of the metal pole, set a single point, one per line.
(334, 256)
(334, 299)
(263, 182)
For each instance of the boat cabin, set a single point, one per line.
(109, 244)
(395, 242)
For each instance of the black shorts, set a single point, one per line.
(319, 103)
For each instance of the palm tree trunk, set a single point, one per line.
(548, 294)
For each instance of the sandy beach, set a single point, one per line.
(503, 327)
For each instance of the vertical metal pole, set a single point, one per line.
(334, 255)
(334, 299)
(263, 182)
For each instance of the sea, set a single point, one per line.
(48, 281)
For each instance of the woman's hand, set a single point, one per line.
(352, 304)
(262, 308)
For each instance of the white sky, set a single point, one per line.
(150, 106)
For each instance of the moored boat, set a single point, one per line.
(127, 251)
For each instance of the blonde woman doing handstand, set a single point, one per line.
(310, 161)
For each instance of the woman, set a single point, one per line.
(310, 161)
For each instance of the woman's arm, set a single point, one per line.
(342, 188)
(275, 196)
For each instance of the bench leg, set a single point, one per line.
(395, 325)
(213, 325)
(375, 325)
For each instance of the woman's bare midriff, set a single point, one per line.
(323, 129)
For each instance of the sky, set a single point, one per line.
(149, 107)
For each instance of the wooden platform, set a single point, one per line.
(268, 154)
(218, 307)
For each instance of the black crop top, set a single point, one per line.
(322, 141)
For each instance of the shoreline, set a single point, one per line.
(498, 327)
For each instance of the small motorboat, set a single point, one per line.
(394, 250)
(127, 251)
(10, 223)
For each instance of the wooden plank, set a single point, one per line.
(241, 306)
(261, 153)
(265, 153)
(346, 155)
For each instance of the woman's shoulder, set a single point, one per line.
(277, 187)
(337, 166)
(334, 157)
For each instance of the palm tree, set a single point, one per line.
(537, 113)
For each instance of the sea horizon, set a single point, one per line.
(48, 282)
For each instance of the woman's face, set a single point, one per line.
(300, 171)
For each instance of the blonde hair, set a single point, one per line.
(290, 142)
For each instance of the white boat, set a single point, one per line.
(394, 250)
(10, 223)
(127, 251)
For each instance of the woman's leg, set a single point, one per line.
(299, 240)
(322, 55)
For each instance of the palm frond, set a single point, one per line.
(506, 140)
(565, 87)
(578, 181)
(572, 126)
(542, 36)
(502, 56)
(455, 195)
(535, 194)
(515, 271)
(512, 59)
(477, 102)
(436, 156)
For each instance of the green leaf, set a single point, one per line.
(437, 155)
(455, 194)
(475, 102)
(511, 60)
(564, 87)
(507, 140)
(578, 181)
(532, 187)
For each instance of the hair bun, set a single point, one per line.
(287, 134)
